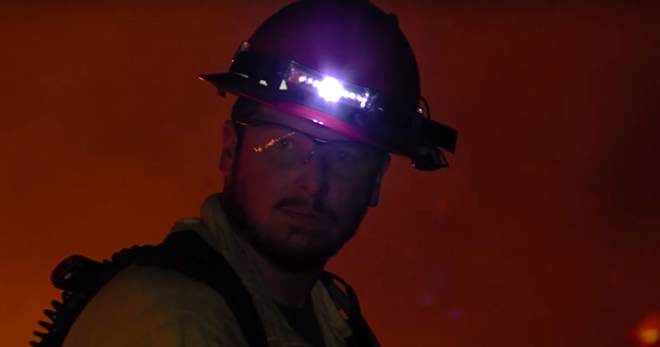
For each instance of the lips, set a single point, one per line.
(305, 215)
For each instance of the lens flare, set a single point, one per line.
(647, 334)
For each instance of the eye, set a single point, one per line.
(346, 157)
(284, 144)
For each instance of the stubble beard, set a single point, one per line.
(267, 245)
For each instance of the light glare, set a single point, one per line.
(329, 88)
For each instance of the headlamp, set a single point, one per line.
(329, 88)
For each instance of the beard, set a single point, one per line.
(269, 243)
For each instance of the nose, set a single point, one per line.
(312, 177)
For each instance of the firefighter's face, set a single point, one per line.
(297, 201)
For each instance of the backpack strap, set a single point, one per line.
(187, 253)
(363, 336)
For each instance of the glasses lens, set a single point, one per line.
(284, 146)
(349, 159)
(287, 146)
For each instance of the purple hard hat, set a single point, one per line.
(345, 65)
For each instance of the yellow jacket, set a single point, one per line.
(150, 306)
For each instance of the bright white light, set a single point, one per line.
(363, 99)
(330, 89)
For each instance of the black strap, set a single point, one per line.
(362, 334)
(189, 254)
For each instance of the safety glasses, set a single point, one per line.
(288, 146)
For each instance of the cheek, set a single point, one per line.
(258, 185)
(351, 199)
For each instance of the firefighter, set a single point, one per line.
(326, 92)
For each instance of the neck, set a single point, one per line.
(285, 287)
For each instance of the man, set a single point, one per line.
(326, 91)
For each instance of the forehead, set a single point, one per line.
(271, 115)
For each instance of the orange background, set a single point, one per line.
(545, 231)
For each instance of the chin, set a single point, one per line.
(297, 259)
(305, 247)
(296, 254)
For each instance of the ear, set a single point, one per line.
(375, 192)
(229, 149)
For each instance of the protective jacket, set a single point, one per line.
(152, 306)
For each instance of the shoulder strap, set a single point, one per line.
(187, 253)
(348, 302)
(202, 263)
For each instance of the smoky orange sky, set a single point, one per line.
(545, 231)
